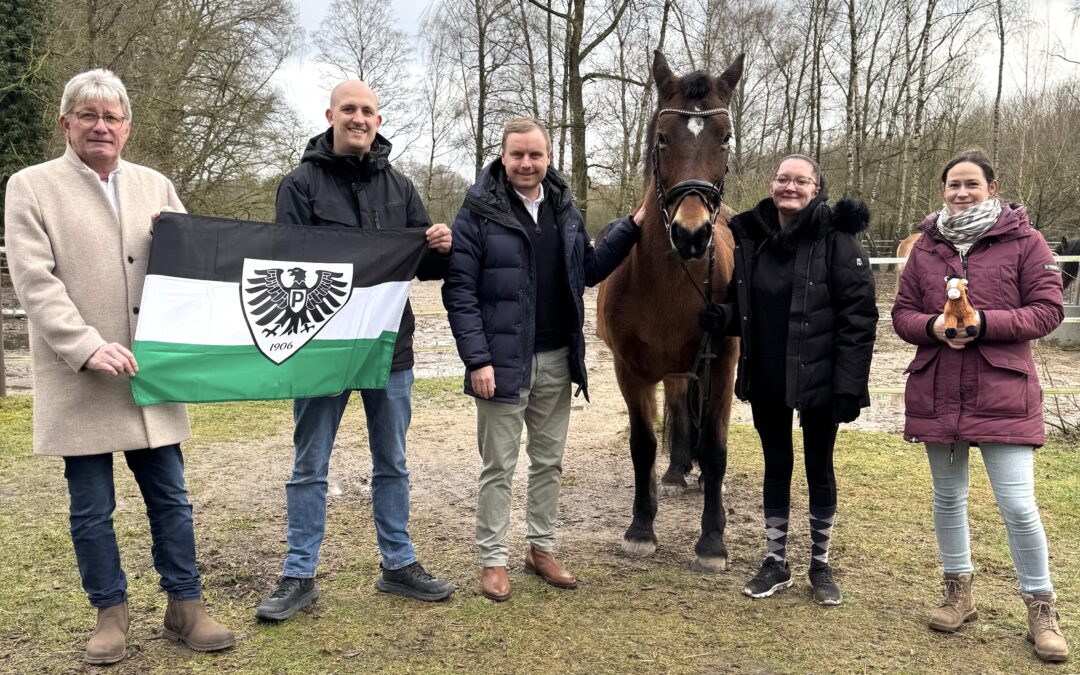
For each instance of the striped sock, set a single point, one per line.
(776, 526)
(821, 525)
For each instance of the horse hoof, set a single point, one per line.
(669, 490)
(638, 549)
(709, 564)
(701, 485)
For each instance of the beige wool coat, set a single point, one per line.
(78, 271)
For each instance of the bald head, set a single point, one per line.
(351, 88)
(354, 116)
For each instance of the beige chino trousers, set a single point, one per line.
(544, 409)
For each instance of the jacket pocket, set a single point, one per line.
(1005, 381)
(392, 215)
(919, 394)
(333, 213)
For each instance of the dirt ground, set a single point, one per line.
(241, 511)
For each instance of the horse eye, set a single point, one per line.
(661, 141)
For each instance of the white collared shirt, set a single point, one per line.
(109, 186)
(533, 207)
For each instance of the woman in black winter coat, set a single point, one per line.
(802, 302)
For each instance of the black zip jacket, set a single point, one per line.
(832, 318)
(347, 190)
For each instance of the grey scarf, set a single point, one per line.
(964, 228)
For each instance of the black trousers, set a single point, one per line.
(773, 423)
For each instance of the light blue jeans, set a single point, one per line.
(1011, 469)
(388, 412)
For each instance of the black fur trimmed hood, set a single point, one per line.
(847, 215)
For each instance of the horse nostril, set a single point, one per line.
(690, 243)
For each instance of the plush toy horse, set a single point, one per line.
(958, 309)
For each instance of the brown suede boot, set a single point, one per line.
(1043, 629)
(958, 605)
(187, 621)
(108, 643)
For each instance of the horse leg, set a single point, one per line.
(712, 458)
(678, 437)
(640, 396)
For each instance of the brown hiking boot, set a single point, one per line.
(1043, 629)
(187, 621)
(108, 642)
(958, 605)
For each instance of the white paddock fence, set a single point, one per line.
(18, 312)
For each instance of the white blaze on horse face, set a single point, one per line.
(695, 125)
(953, 287)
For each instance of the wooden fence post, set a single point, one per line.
(3, 369)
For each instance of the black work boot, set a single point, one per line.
(413, 581)
(291, 595)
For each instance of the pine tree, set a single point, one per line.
(24, 133)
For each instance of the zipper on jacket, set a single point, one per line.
(749, 313)
(802, 331)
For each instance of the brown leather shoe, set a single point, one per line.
(494, 583)
(544, 565)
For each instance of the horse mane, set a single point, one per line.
(696, 85)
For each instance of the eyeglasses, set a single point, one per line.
(88, 120)
(802, 182)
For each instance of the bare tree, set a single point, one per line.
(205, 111)
(577, 50)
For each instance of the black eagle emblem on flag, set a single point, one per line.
(292, 309)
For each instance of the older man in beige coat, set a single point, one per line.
(78, 232)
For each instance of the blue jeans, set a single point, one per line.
(388, 413)
(160, 475)
(1011, 469)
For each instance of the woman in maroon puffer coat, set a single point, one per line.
(982, 389)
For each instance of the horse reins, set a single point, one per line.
(712, 195)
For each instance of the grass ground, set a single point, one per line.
(628, 616)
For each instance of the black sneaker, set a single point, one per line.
(826, 592)
(291, 595)
(413, 581)
(773, 576)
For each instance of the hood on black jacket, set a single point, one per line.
(320, 150)
(848, 215)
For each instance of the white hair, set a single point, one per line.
(95, 85)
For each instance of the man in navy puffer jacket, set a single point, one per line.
(518, 272)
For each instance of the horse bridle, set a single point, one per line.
(711, 194)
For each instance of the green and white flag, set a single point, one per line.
(237, 310)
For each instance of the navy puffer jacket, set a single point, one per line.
(490, 293)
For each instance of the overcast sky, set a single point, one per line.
(305, 87)
(308, 90)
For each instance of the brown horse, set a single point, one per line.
(903, 250)
(647, 309)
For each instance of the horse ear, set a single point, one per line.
(662, 74)
(730, 77)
